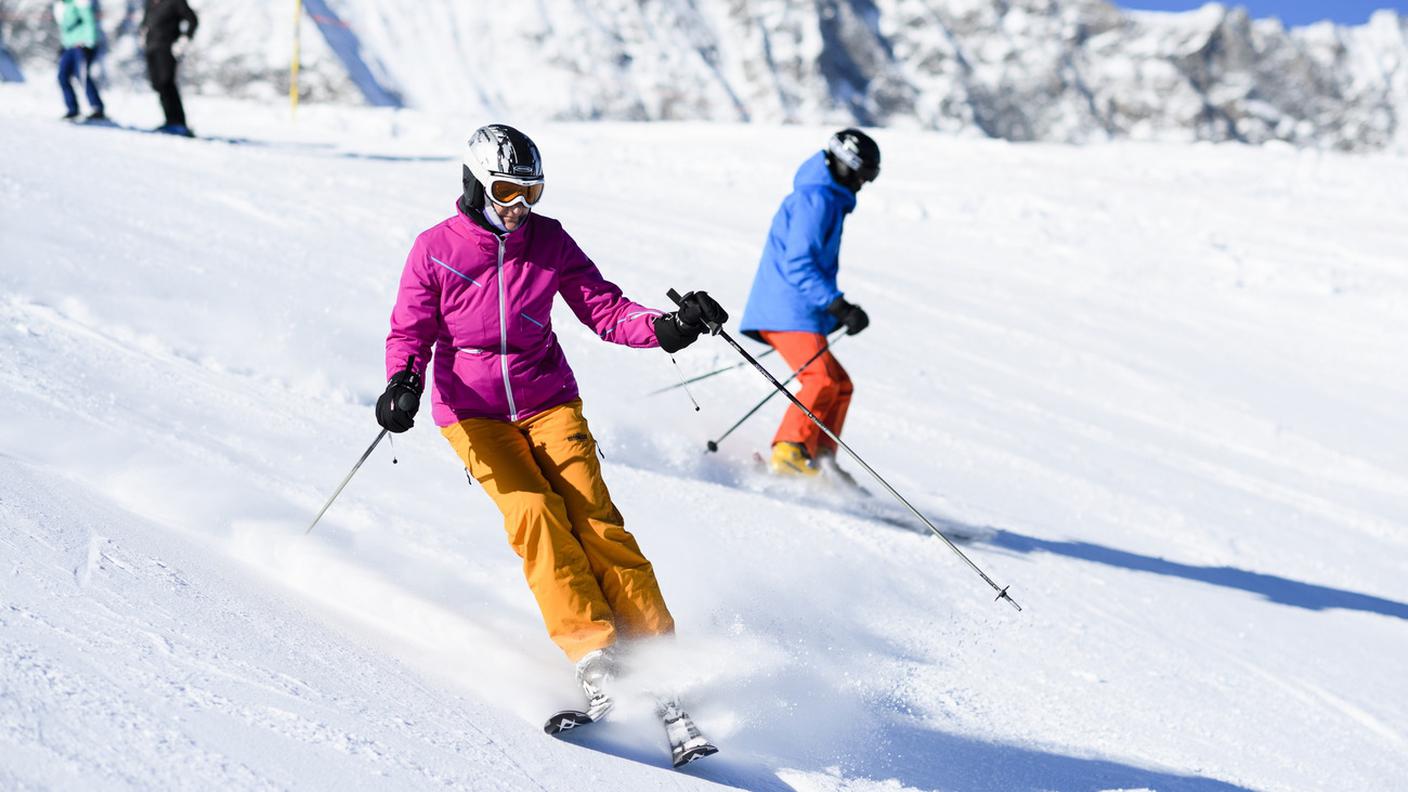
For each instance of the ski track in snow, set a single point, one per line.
(1156, 389)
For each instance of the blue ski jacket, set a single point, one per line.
(796, 277)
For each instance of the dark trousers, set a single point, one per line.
(76, 62)
(161, 68)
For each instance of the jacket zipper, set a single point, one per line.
(503, 337)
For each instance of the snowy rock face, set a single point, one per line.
(1052, 70)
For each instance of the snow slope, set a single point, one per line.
(1161, 385)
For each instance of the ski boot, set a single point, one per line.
(835, 474)
(792, 459)
(594, 672)
(687, 744)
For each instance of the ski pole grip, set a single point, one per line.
(714, 328)
(409, 402)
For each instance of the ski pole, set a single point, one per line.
(693, 380)
(713, 445)
(715, 329)
(353, 472)
(410, 366)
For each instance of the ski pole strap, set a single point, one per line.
(715, 372)
(719, 331)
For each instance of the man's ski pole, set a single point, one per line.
(715, 329)
(692, 380)
(350, 474)
(713, 445)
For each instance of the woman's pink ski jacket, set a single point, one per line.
(484, 302)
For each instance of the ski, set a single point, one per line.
(567, 720)
(687, 744)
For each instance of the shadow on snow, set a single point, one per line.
(1275, 588)
(927, 759)
(1285, 591)
(923, 759)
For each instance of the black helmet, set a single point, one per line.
(853, 158)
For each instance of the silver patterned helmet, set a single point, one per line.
(505, 164)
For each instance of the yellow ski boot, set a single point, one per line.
(791, 459)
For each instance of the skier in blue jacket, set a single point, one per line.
(795, 301)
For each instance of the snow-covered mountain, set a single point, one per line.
(1161, 386)
(1050, 70)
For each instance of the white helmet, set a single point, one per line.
(502, 162)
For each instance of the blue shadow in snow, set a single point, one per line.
(723, 769)
(345, 44)
(1277, 589)
(927, 759)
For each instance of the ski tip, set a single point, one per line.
(695, 754)
(567, 720)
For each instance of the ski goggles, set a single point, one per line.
(507, 192)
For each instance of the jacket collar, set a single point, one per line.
(813, 174)
(472, 225)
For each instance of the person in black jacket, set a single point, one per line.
(161, 28)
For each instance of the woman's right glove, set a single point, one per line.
(849, 314)
(679, 329)
(396, 409)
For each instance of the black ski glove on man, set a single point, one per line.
(679, 329)
(396, 409)
(849, 314)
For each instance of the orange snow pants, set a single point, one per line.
(826, 390)
(589, 576)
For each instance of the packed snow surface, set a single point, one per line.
(1160, 389)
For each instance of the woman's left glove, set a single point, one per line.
(697, 312)
(397, 407)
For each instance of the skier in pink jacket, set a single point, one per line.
(477, 294)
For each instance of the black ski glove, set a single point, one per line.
(396, 409)
(850, 315)
(679, 329)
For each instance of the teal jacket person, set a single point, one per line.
(78, 23)
(79, 34)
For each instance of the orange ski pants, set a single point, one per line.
(826, 390)
(590, 579)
